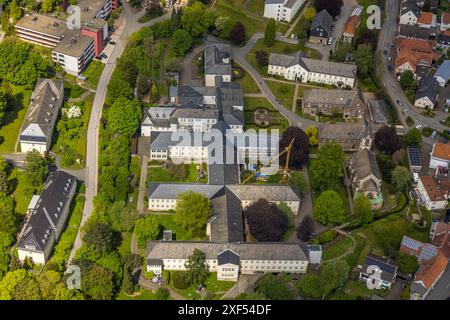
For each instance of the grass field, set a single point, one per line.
(248, 84)
(143, 295)
(14, 116)
(93, 73)
(283, 92)
(161, 174)
(166, 220)
(338, 248)
(135, 169)
(277, 120)
(19, 182)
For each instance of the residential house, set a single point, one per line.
(365, 176)
(413, 53)
(298, 68)
(320, 29)
(349, 103)
(409, 12)
(217, 64)
(351, 136)
(438, 230)
(440, 155)
(384, 278)
(433, 192)
(350, 28)
(47, 218)
(377, 114)
(443, 40)
(228, 259)
(445, 21)
(426, 20)
(414, 32)
(282, 10)
(442, 75)
(45, 103)
(427, 92)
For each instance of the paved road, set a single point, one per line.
(132, 25)
(388, 79)
(239, 54)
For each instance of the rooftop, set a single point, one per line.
(441, 151)
(73, 43)
(42, 23)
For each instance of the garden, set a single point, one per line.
(248, 84)
(284, 92)
(251, 104)
(171, 172)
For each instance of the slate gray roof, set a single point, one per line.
(44, 219)
(73, 43)
(366, 164)
(274, 1)
(387, 266)
(428, 87)
(198, 113)
(334, 97)
(268, 192)
(158, 116)
(188, 95)
(214, 59)
(172, 190)
(377, 111)
(314, 65)
(414, 32)
(323, 19)
(45, 102)
(231, 96)
(166, 139)
(226, 257)
(245, 250)
(342, 131)
(444, 71)
(410, 5)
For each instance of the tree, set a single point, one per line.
(407, 263)
(49, 6)
(328, 208)
(7, 216)
(181, 41)
(333, 276)
(98, 283)
(400, 178)
(273, 289)
(197, 269)
(305, 229)
(237, 34)
(6, 24)
(36, 170)
(124, 116)
(162, 294)
(262, 57)
(196, 19)
(413, 138)
(312, 133)
(192, 211)
(142, 86)
(309, 285)
(332, 6)
(101, 237)
(364, 59)
(270, 33)
(180, 280)
(4, 182)
(326, 171)
(386, 140)
(266, 221)
(369, 37)
(147, 229)
(309, 13)
(121, 217)
(299, 154)
(298, 181)
(152, 7)
(223, 26)
(389, 237)
(14, 10)
(363, 208)
(407, 80)
(154, 93)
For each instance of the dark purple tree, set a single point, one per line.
(305, 229)
(262, 58)
(300, 148)
(332, 6)
(266, 221)
(237, 34)
(386, 140)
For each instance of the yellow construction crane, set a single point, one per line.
(286, 165)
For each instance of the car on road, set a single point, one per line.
(385, 52)
(330, 40)
(419, 126)
(389, 67)
(399, 102)
(112, 42)
(103, 56)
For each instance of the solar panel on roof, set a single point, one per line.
(427, 252)
(411, 243)
(381, 264)
(414, 156)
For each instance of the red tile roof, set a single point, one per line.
(352, 24)
(425, 18)
(441, 151)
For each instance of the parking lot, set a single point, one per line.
(120, 23)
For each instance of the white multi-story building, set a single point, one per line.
(282, 10)
(433, 192)
(40, 29)
(440, 156)
(298, 68)
(228, 259)
(45, 103)
(47, 217)
(409, 12)
(217, 64)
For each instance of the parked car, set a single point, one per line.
(419, 126)
(385, 52)
(112, 42)
(330, 40)
(399, 102)
(103, 56)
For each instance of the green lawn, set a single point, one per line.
(248, 84)
(72, 91)
(251, 18)
(135, 168)
(125, 245)
(14, 116)
(143, 295)
(283, 92)
(166, 220)
(218, 288)
(355, 289)
(277, 120)
(93, 73)
(161, 174)
(18, 180)
(337, 248)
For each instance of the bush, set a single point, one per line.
(427, 131)
(162, 294)
(327, 236)
(180, 280)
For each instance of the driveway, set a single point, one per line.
(189, 69)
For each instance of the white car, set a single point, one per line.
(330, 40)
(419, 126)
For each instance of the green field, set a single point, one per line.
(93, 73)
(14, 116)
(18, 180)
(283, 92)
(338, 248)
(277, 120)
(248, 84)
(166, 220)
(143, 294)
(161, 174)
